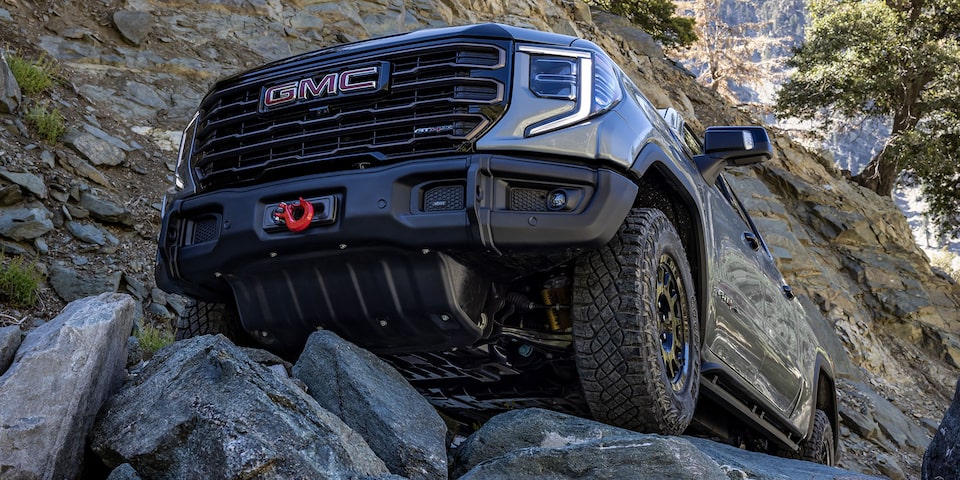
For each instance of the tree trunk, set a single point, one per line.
(880, 175)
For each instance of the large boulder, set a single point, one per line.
(942, 458)
(534, 443)
(202, 409)
(738, 463)
(614, 459)
(10, 95)
(377, 402)
(10, 338)
(59, 379)
(530, 427)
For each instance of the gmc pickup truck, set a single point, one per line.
(503, 216)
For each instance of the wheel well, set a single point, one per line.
(827, 400)
(659, 191)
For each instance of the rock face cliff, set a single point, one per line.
(131, 72)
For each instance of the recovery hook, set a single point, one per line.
(296, 216)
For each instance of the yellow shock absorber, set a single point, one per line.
(556, 296)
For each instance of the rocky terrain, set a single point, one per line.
(86, 209)
(204, 408)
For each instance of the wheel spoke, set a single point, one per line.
(672, 322)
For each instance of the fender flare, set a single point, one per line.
(822, 365)
(653, 156)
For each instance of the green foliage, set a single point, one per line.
(934, 147)
(153, 338)
(656, 17)
(19, 283)
(33, 77)
(894, 60)
(48, 124)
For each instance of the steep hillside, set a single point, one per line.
(133, 71)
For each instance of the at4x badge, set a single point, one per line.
(364, 79)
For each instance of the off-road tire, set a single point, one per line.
(202, 318)
(617, 328)
(820, 447)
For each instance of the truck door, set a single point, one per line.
(779, 378)
(739, 296)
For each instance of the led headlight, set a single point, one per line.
(183, 180)
(554, 77)
(586, 78)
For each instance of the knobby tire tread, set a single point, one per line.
(819, 447)
(203, 318)
(616, 335)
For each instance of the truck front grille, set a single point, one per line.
(440, 99)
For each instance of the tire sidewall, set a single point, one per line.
(617, 329)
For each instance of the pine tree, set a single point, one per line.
(895, 60)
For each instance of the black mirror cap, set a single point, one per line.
(738, 145)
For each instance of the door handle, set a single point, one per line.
(751, 240)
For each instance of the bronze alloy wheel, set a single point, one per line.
(673, 311)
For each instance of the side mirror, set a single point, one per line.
(738, 146)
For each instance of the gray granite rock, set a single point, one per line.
(93, 149)
(60, 377)
(105, 210)
(71, 284)
(202, 409)
(28, 181)
(10, 338)
(377, 402)
(10, 95)
(24, 222)
(133, 25)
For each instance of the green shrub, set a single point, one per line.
(33, 77)
(19, 283)
(153, 338)
(49, 124)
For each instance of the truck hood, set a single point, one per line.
(493, 31)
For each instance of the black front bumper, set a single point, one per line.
(220, 244)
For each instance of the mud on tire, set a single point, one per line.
(636, 329)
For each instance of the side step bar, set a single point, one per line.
(754, 417)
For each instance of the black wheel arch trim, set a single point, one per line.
(653, 156)
(823, 366)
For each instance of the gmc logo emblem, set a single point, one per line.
(371, 78)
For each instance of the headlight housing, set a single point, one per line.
(183, 179)
(584, 77)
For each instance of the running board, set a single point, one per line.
(752, 416)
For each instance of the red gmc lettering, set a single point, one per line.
(326, 86)
(308, 87)
(346, 79)
(280, 94)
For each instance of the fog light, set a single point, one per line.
(557, 200)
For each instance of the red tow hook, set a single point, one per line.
(296, 217)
